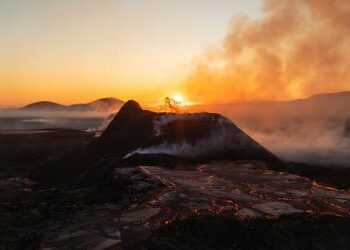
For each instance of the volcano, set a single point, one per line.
(195, 137)
(141, 137)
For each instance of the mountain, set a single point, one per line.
(338, 97)
(107, 105)
(44, 106)
(321, 105)
(137, 136)
(194, 137)
(331, 108)
(101, 105)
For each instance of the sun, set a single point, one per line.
(178, 97)
(174, 103)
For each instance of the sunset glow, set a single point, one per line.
(218, 51)
(179, 98)
(175, 124)
(81, 50)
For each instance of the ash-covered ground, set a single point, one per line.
(164, 181)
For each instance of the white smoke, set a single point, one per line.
(219, 138)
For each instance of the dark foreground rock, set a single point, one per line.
(334, 176)
(66, 217)
(288, 232)
(229, 205)
(30, 153)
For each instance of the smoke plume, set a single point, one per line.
(295, 49)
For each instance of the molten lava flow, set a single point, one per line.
(316, 184)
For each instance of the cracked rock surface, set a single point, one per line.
(151, 202)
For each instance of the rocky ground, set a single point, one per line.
(122, 202)
(190, 207)
(217, 193)
(28, 152)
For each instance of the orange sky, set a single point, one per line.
(79, 50)
(211, 51)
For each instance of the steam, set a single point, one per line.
(102, 127)
(324, 146)
(184, 149)
(297, 48)
(12, 119)
(218, 139)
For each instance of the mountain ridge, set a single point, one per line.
(324, 104)
(108, 104)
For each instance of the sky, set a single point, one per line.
(72, 51)
(209, 51)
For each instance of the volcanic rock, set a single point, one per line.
(297, 231)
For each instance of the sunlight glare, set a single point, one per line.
(178, 97)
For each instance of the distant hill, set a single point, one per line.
(315, 107)
(327, 104)
(44, 106)
(337, 96)
(321, 104)
(101, 105)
